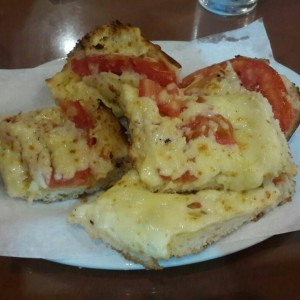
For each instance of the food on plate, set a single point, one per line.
(185, 140)
(201, 156)
(106, 58)
(147, 227)
(208, 157)
(256, 75)
(62, 152)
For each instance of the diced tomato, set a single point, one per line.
(80, 178)
(149, 88)
(202, 125)
(187, 177)
(154, 70)
(255, 75)
(167, 102)
(77, 114)
(171, 109)
(194, 205)
(164, 177)
(91, 141)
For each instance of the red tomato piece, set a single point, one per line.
(149, 88)
(187, 177)
(80, 178)
(207, 72)
(77, 114)
(202, 125)
(168, 104)
(99, 63)
(255, 75)
(155, 70)
(171, 108)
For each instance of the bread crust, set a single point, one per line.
(112, 39)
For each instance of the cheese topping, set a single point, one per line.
(164, 156)
(132, 218)
(44, 146)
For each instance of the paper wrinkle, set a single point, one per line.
(40, 230)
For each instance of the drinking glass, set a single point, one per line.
(229, 7)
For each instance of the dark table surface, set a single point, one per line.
(36, 31)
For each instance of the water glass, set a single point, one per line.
(229, 7)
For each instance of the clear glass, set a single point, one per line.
(229, 7)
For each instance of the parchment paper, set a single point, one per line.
(40, 230)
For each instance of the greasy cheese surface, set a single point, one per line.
(163, 155)
(37, 145)
(138, 222)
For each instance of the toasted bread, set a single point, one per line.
(83, 76)
(62, 152)
(148, 227)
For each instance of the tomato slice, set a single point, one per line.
(185, 177)
(166, 98)
(77, 114)
(207, 72)
(256, 75)
(154, 70)
(202, 125)
(149, 88)
(80, 178)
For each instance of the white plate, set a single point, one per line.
(117, 262)
(16, 86)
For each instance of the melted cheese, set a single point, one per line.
(38, 145)
(163, 155)
(139, 222)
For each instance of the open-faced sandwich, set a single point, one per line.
(209, 155)
(185, 140)
(146, 227)
(62, 152)
(106, 58)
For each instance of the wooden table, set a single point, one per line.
(36, 31)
